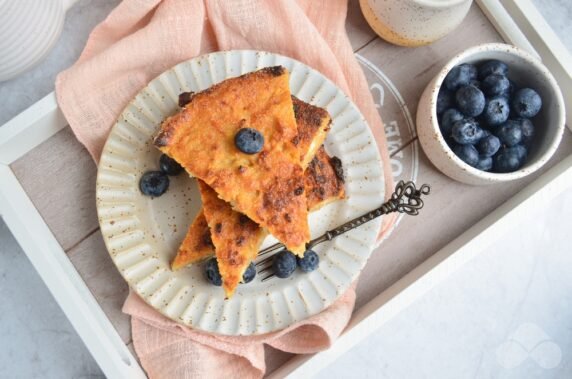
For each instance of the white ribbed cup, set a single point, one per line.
(28, 31)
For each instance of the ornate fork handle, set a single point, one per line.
(405, 199)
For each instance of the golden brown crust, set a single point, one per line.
(313, 126)
(324, 183)
(307, 125)
(197, 244)
(165, 136)
(263, 185)
(323, 186)
(233, 254)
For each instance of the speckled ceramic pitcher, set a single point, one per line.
(414, 22)
(28, 31)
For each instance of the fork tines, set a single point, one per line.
(270, 249)
(265, 266)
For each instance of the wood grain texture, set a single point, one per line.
(59, 177)
(410, 69)
(92, 261)
(359, 31)
(451, 209)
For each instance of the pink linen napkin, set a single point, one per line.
(142, 38)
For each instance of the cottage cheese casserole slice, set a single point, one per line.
(234, 236)
(268, 187)
(313, 125)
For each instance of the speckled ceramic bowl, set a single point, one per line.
(524, 70)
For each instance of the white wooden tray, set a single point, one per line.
(47, 183)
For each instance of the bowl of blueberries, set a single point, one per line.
(493, 114)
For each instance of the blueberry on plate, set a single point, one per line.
(488, 146)
(459, 76)
(496, 111)
(508, 160)
(527, 128)
(169, 166)
(444, 100)
(212, 273)
(485, 163)
(495, 85)
(154, 183)
(450, 116)
(310, 262)
(509, 133)
(249, 141)
(249, 274)
(468, 154)
(284, 264)
(470, 100)
(467, 131)
(526, 102)
(492, 67)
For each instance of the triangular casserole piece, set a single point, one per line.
(268, 187)
(233, 255)
(313, 124)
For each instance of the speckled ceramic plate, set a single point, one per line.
(143, 234)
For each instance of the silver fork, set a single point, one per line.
(405, 199)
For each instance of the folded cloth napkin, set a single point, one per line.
(170, 350)
(142, 38)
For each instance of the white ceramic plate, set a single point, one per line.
(143, 234)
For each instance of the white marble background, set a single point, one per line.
(505, 314)
(517, 291)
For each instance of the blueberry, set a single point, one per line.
(485, 163)
(475, 83)
(284, 264)
(310, 261)
(495, 85)
(488, 146)
(460, 76)
(509, 133)
(496, 111)
(467, 131)
(450, 116)
(249, 274)
(527, 129)
(154, 183)
(169, 166)
(492, 67)
(509, 91)
(249, 141)
(470, 100)
(212, 273)
(520, 150)
(526, 102)
(444, 100)
(467, 153)
(508, 159)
